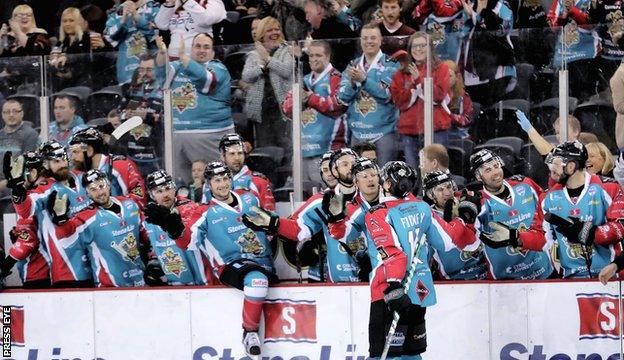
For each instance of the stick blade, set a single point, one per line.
(126, 126)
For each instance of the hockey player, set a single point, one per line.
(86, 148)
(110, 230)
(454, 264)
(583, 213)
(68, 263)
(241, 257)
(32, 261)
(509, 223)
(398, 228)
(339, 262)
(232, 149)
(166, 219)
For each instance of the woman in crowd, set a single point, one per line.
(460, 104)
(599, 161)
(268, 71)
(22, 37)
(407, 91)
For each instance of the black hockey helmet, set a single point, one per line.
(88, 136)
(158, 178)
(52, 150)
(481, 158)
(361, 164)
(229, 140)
(569, 151)
(216, 168)
(92, 176)
(32, 160)
(340, 153)
(401, 176)
(435, 178)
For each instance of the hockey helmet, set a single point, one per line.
(88, 136)
(401, 176)
(157, 179)
(216, 168)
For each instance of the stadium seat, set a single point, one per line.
(103, 101)
(499, 120)
(281, 175)
(79, 92)
(465, 144)
(597, 116)
(275, 152)
(235, 63)
(232, 16)
(97, 122)
(534, 165)
(524, 73)
(458, 160)
(262, 163)
(513, 141)
(30, 105)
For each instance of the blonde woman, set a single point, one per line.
(599, 160)
(23, 37)
(268, 71)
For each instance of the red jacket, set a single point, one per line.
(408, 95)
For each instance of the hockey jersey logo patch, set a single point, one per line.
(578, 251)
(184, 97)
(249, 243)
(288, 320)
(366, 104)
(172, 262)
(127, 248)
(308, 116)
(421, 290)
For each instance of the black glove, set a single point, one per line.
(170, 221)
(396, 298)
(501, 236)
(175, 225)
(154, 275)
(469, 206)
(448, 210)
(365, 267)
(14, 174)
(58, 208)
(575, 230)
(261, 221)
(334, 206)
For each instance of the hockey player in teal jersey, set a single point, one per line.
(165, 220)
(454, 264)
(111, 230)
(241, 257)
(583, 213)
(509, 223)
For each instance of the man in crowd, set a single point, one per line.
(395, 33)
(67, 122)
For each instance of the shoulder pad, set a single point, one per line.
(118, 157)
(260, 175)
(377, 207)
(518, 178)
(606, 179)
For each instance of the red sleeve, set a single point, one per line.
(445, 8)
(465, 118)
(401, 89)
(265, 194)
(534, 238)
(74, 224)
(27, 241)
(578, 15)
(25, 208)
(461, 234)
(189, 218)
(421, 11)
(393, 259)
(288, 228)
(133, 180)
(613, 230)
(328, 105)
(553, 15)
(441, 83)
(287, 105)
(538, 189)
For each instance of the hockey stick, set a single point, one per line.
(557, 220)
(120, 131)
(406, 286)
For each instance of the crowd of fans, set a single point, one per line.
(231, 66)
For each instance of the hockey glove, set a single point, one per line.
(261, 221)
(334, 206)
(501, 236)
(154, 275)
(448, 210)
(156, 214)
(469, 206)
(575, 230)
(174, 225)
(396, 298)
(58, 207)
(365, 266)
(14, 174)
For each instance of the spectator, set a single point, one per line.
(365, 90)
(435, 157)
(21, 36)
(599, 160)
(395, 33)
(579, 41)
(489, 71)
(200, 95)
(535, 41)
(366, 150)
(288, 14)
(73, 37)
(408, 94)
(617, 94)
(67, 122)
(244, 7)
(185, 19)
(542, 145)
(15, 136)
(196, 188)
(130, 29)
(268, 71)
(323, 127)
(460, 105)
(443, 20)
(345, 15)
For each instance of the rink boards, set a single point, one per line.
(547, 321)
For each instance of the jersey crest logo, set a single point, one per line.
(137, 45)
(172, 262)
(438, 35)
(184, 97)
(366, 104)
(617, 22)
(578, 251)
(511, 251)
(308, 117)
(572, 35)
(249, 243)
(141, 131)
(127, 248)
(137, 191)
(465, 255)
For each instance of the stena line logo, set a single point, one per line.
(288, 320)
(598, 316)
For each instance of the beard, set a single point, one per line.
(61, 174)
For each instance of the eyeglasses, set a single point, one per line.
(419, 46)
(14, 112)
(22, 15)
(142, 69)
